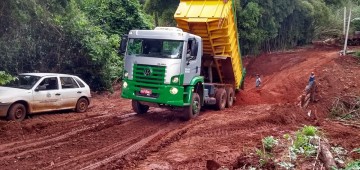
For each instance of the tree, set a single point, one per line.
(162, 10)
(69, 36)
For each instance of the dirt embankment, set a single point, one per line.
(111, 136)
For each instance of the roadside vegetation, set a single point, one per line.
(4, 77)
(307, 147)
(346, 110)
(82, 37)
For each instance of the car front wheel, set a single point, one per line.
(17, 112)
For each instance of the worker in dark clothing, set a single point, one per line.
(311, 79)
(311, 82)
(257, 81)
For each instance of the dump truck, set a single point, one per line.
(195, 64)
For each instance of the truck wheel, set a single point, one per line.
(17, 112)
(138, 107)
(194, 109)
(220, 97)
(230, 97)
(82, 105)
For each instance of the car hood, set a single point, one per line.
(6, 92)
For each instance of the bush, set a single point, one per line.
(269, 143)
(309, 130)
(4, 77)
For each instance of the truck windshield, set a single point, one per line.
(23, 82)
(155, 48)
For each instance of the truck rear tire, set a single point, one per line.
(230, 97)
(138, 107)
(194, 109)
(220, 97)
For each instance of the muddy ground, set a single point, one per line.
(111, 136)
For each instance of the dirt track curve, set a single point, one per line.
(111, 136)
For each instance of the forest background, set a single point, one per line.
(82, 37)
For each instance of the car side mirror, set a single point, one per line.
(40, 88)
(194, 50)
(123, 43)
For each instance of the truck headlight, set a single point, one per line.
(174, 90)
(175, 80)
(125, 84)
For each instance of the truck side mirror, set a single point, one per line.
(194, 50)
(123, 44)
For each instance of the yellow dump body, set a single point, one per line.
(214, 21)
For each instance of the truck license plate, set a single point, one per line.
(145, 91)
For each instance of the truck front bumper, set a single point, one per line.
(4, 107)
(161, 94)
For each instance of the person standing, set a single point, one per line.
(257, 81)
(311, 79)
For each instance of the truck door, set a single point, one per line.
(192, 62)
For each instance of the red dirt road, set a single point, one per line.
(111, 136)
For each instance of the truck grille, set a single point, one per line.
(147, 76)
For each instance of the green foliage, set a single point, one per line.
(357, 54)
(355, 165)
(162, 11)
(265, 157)
(5, 78)
(356, 24)
(356, 150)
(302, 142)
(251, 36)
(68, 36)
(309, 130)
(273, 25)
(269, 143)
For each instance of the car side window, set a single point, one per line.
(50, 83)
(81, 84)
(68, 83)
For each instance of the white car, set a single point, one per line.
(41, 92)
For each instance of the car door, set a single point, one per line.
(71, 92)
(46, 95)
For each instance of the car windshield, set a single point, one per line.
(23, 82)
(155, 48)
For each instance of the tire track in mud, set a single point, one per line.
(31, 151)
(128, 150)
(216, 133)
(222, 157)
(118, 150)
(60, 117)
(23, 147)
(73, 163)
(243, 130)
